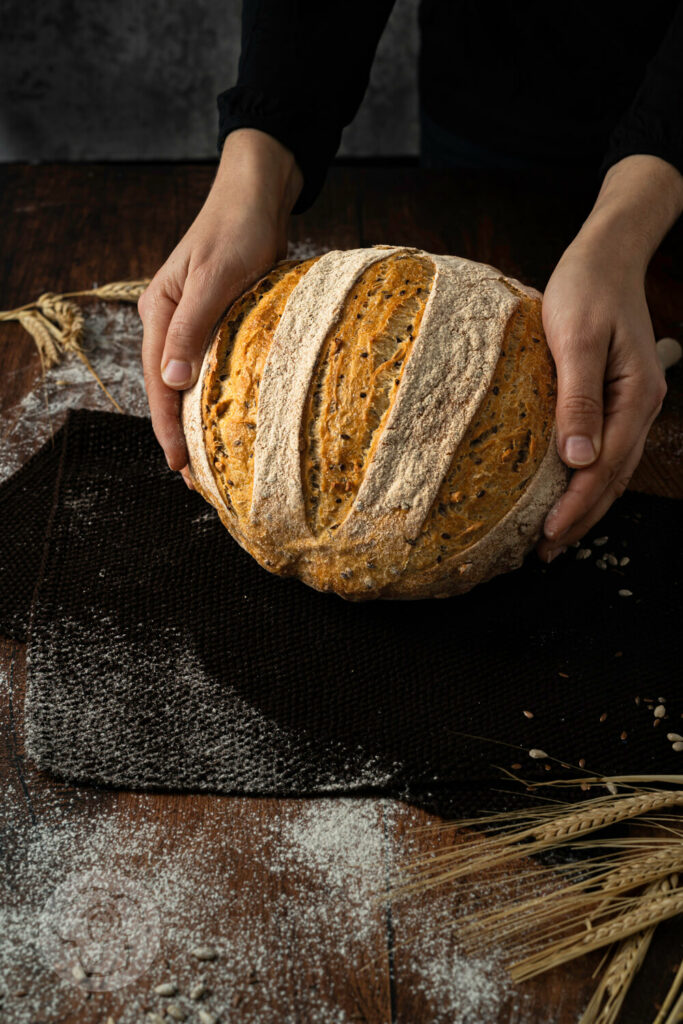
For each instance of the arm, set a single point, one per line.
(304, 69)
(240, 231)
(610, 383)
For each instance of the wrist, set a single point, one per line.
(260, 170)
(640, 199)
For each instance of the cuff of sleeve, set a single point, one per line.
(313, 149)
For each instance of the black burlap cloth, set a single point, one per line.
(161, 655)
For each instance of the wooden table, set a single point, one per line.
(264, 878)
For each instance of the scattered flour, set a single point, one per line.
(305, 249)
(282, 901)
(112, 342)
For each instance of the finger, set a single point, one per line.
(205, 298)
(632, 407)
(164, 403)
(185, 473)
(580, 359)
(546, 550)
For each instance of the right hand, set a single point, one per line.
(239, 233)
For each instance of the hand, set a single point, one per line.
(610, 382)
(240, 232)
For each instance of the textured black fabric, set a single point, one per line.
(160, 654)
(575, 86)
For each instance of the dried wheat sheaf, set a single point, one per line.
(56, 323)
(613, 897)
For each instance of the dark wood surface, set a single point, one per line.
(67, 227)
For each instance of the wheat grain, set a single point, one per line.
(37, 327)
(66, 317)
(609, 996)
(119, 291)
(650, 912)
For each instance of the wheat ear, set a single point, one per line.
(646, 913)
(627, 960)
(56, 324)
(670, 1013)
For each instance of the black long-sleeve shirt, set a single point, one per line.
(580, 84)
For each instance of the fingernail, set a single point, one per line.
(549, 527)
(176, 372)
(553, 554)
(580, 450)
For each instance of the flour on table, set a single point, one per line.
(112, 342)
(312, 873)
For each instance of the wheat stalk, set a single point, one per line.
(485, 853)
(676, 1014)
(647, 912)
(618, 897)
(39, 329)
(116, 291)
(56, 324)
(608, 997)
(579, 898)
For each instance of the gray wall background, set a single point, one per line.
(127, 80)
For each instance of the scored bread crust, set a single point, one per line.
(416, 444)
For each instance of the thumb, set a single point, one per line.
(579, 413)
(189, 330)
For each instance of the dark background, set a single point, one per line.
(131, 80)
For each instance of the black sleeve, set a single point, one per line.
(303, 70)
(654, 121)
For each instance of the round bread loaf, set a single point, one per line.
(379, 422)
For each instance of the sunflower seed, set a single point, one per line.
(78, 972)
(678, 746)
(198, 990)
(204, 953)
(528, 714)
(603, 716)
(600, 541)
(659, 711)
(167, 988)
(674, 737)
(624, 561)
(611, 560)
(206, 1017)
(582, 762)
(175, 1011)
(155, 1018)
(537, 753)
(600, 564)
(625, 593)
(583, 553)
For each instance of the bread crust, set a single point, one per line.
(441, 389)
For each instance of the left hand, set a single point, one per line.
(610, 382)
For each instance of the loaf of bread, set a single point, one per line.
(379, 422)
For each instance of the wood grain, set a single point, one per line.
(69, 227)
